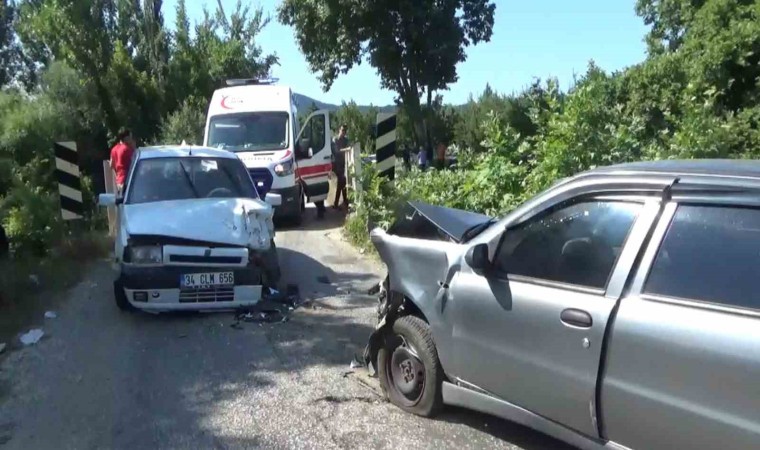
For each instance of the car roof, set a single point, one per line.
(739, 168)
(183, 151)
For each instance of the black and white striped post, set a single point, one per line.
(69, 183)
(385, 144)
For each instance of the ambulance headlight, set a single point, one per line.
(285, 168)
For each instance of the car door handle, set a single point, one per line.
(327, 157)
(576, 317)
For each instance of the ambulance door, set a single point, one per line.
(313, 155)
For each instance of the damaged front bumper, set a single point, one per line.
(158, 288)
(239, 272)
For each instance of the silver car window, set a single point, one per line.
(709, 253)
(578, 244)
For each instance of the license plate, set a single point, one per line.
(206, 280)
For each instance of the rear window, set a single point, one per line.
(712, 254)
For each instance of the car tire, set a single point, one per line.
(408, 368)
(271, 268)
(121, 297)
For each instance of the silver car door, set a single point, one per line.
(683, 360)
(531, 330)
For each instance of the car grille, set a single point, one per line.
(205, 259)
(263, 176)
(219, 294)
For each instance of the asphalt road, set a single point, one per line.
(101, 378)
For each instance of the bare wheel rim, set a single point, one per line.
(407, 373)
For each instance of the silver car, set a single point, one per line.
(618, 309)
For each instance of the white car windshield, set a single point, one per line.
(249, 132)
(162, 179)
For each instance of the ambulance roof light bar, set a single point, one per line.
(250, 81)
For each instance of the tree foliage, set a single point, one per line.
(695, 96)
(81, 69)
(415, 45)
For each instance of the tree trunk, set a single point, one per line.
(414, 111)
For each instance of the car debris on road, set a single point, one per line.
(32, 336)
(273, 307)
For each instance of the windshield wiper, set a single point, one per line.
(189, 181)
(232, 180)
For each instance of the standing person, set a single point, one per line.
(422, 159)
(339, 148)
(440, 156)
(121, 158)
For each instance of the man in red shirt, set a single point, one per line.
(121, 158)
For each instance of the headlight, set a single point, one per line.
(146, 255)
(285, 168)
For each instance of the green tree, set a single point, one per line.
(360, 124)
(414, 45)
(10, 51)
(79, 33)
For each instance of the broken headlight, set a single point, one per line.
(285, 168)
(146, 254)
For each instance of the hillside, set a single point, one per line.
(304, 102)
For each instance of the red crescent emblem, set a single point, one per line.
(224, 102)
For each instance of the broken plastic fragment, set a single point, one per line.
(32, 336)
(355, 363)
(50, 314)
(273, 291)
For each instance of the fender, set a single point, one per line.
(424, 294)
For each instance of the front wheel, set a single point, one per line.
(272, 273)
(408, 367)
(121, 297)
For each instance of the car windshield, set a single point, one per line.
(249, 132)
(162, 179)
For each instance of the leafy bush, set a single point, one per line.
(185, 124)
(32, 220)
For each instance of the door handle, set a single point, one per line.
(576, 317)
(327, 157)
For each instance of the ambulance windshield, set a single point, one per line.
(249, 131)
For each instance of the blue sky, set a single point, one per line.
(538, 38)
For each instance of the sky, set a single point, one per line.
(531, 39)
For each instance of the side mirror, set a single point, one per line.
(273, 199)
(477, 257)
(109, 200)
(303, 150)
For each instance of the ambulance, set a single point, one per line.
(258, 120)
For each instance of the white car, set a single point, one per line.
(192, 232)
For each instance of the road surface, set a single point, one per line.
(101, 378)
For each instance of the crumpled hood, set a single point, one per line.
(453, 223)
(233, 221)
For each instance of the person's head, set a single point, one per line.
(125, 136)
(342, 131)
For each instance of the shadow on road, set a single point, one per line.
(316, 280)
(333, 219)
(505, 430)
